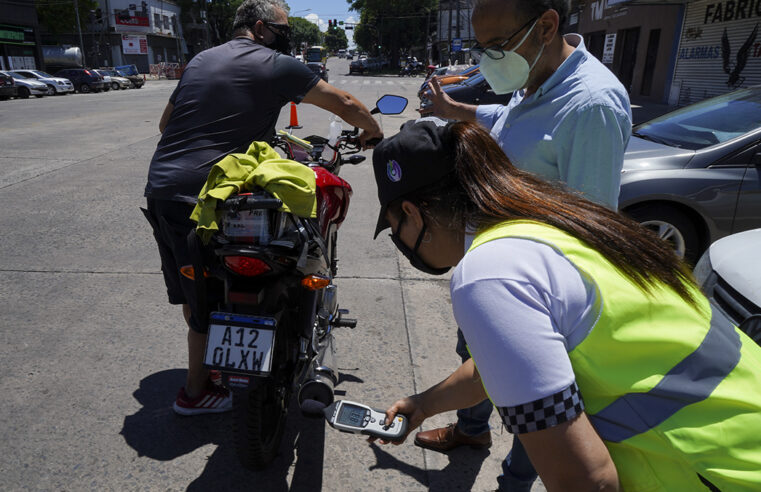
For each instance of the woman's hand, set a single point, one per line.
(412, 408)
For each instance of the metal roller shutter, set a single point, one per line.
(710, 62)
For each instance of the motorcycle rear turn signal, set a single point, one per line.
(189, 272)
(315, 282)
(246, 266)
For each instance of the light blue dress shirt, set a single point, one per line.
(574, 128)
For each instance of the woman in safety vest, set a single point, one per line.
(586, 331)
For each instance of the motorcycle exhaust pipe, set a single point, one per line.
(316, 392)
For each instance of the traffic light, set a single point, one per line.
(335, 23)
(330, 23)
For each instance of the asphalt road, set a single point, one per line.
(92, 355)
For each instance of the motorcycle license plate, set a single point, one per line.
(252, 225)
(240, 343)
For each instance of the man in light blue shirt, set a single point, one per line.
(569, 120)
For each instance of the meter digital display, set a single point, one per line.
(351, 415)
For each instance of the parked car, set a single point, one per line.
(694, 175)
(7, 86)
(446, 77)
(474, 90)
(319, 68)
(358, 66)
(28, 87)
(56, 85)
(114, 80)
(130, 72)
(84, 80)
(729, 273)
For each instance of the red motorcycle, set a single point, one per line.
(269, 275)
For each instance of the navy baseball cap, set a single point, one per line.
(420, 154)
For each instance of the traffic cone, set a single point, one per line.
(294, 118)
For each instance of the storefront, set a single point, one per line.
(637, 42)
(719, 51)
(18, 49)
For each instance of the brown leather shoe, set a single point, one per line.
(447, 438)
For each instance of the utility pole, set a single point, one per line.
(449, 32)
(79, 30)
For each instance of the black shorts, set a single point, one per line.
(171, 225)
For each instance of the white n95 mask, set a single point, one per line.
(509, 73)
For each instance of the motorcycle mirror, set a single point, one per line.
(389, 104)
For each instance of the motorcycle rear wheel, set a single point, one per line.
(259, 417)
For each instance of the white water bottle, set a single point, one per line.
(333, 134)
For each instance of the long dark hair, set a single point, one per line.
(486, 189)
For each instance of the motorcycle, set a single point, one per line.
(269, 275)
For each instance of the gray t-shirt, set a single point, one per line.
(229, 96)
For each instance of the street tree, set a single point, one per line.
(335, 39)
(393, 27)
(304, 33)
(60, 17)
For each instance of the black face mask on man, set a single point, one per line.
(411, 254)
(282, 42)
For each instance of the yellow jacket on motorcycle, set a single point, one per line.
(673, 390)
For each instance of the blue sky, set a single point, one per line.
(322, 10)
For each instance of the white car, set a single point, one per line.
(56, 85)
(113, 79)
(729, 273)
(28, 87)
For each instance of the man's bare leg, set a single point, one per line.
(198, 375)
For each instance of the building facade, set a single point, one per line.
(20, 43)
(638, 42)
(719, 50)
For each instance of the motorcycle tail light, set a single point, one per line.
(246, 266)
(315, 282)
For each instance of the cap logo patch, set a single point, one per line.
(394, 171)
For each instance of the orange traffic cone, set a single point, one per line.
(294, 118)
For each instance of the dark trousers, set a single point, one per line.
(518, 474)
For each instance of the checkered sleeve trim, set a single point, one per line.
(544, 413)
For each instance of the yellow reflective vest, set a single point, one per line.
(673, 391)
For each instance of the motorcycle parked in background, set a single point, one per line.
(271, 273)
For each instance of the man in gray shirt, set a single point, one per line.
(229, 96)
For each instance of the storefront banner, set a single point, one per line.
(133, 23)
(609, 49)
(134, 45)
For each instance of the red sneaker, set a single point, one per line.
(215, 399)
(215, 377)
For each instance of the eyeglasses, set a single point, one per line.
(497, 51)
(283, 29)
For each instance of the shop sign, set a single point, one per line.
(134, 45)
(609, 49)
(18, 35)
(132, 23)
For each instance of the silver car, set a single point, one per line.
(28, 87)
(56, 85)
(694, 175)
(113, 79)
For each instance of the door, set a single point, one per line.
(629, 41)
(650, 59)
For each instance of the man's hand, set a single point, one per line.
(444, 106)
(367, 135)
(412, 408)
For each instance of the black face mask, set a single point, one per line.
(411, 254)
(282, 42)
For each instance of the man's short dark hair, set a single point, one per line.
(528, 9)
(251, 11)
